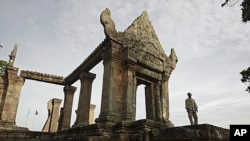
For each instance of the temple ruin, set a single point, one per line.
(130, 58)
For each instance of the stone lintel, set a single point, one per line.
(93, 59)
(148, 72)
(43, 77)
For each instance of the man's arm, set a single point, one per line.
(196, 107)
(186, 105)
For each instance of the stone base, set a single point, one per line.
(80, 124)
(8, 126)
(141, 130)
(202, 132)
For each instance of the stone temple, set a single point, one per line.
(130, 58)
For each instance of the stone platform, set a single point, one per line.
(141, 130)
(202, 132)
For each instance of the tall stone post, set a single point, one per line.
(113, 101)
(55, 115)
(92, 113)
(51, 124)
(130, 87)
(158, 102)
(67, 106)
(84, 99)
(11, 98)
(149, 98)
(165, 99)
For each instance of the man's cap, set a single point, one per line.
(189, 93)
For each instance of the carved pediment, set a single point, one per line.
(140, 41)
(140, 34)
(144, 36)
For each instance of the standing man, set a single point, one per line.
(192, 109)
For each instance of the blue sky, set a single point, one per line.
(211, 42)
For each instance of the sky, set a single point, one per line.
(54, 37)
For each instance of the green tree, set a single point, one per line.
(245, 10)
(245, 16)
(3, 65)
(246, 78)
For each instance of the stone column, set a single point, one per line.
(158, 102)
(150, 103)
(84, 99)
(11, 98)
(112, 104)
(92, 113)
(130, 87)
(67, 106)
(55, 115)
(165, 98)
(51, 124)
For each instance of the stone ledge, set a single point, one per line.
(136, 130)
(202, 132)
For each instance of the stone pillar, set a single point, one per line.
(67, 106)
(130, 87)
(149, 98)
(158, 102)
(84, 99)
(92, 113)
(51, 124)
(165, 100)
(112, 105)
(11, 97)
(106, 102)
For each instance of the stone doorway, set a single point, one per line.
(150, 95)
